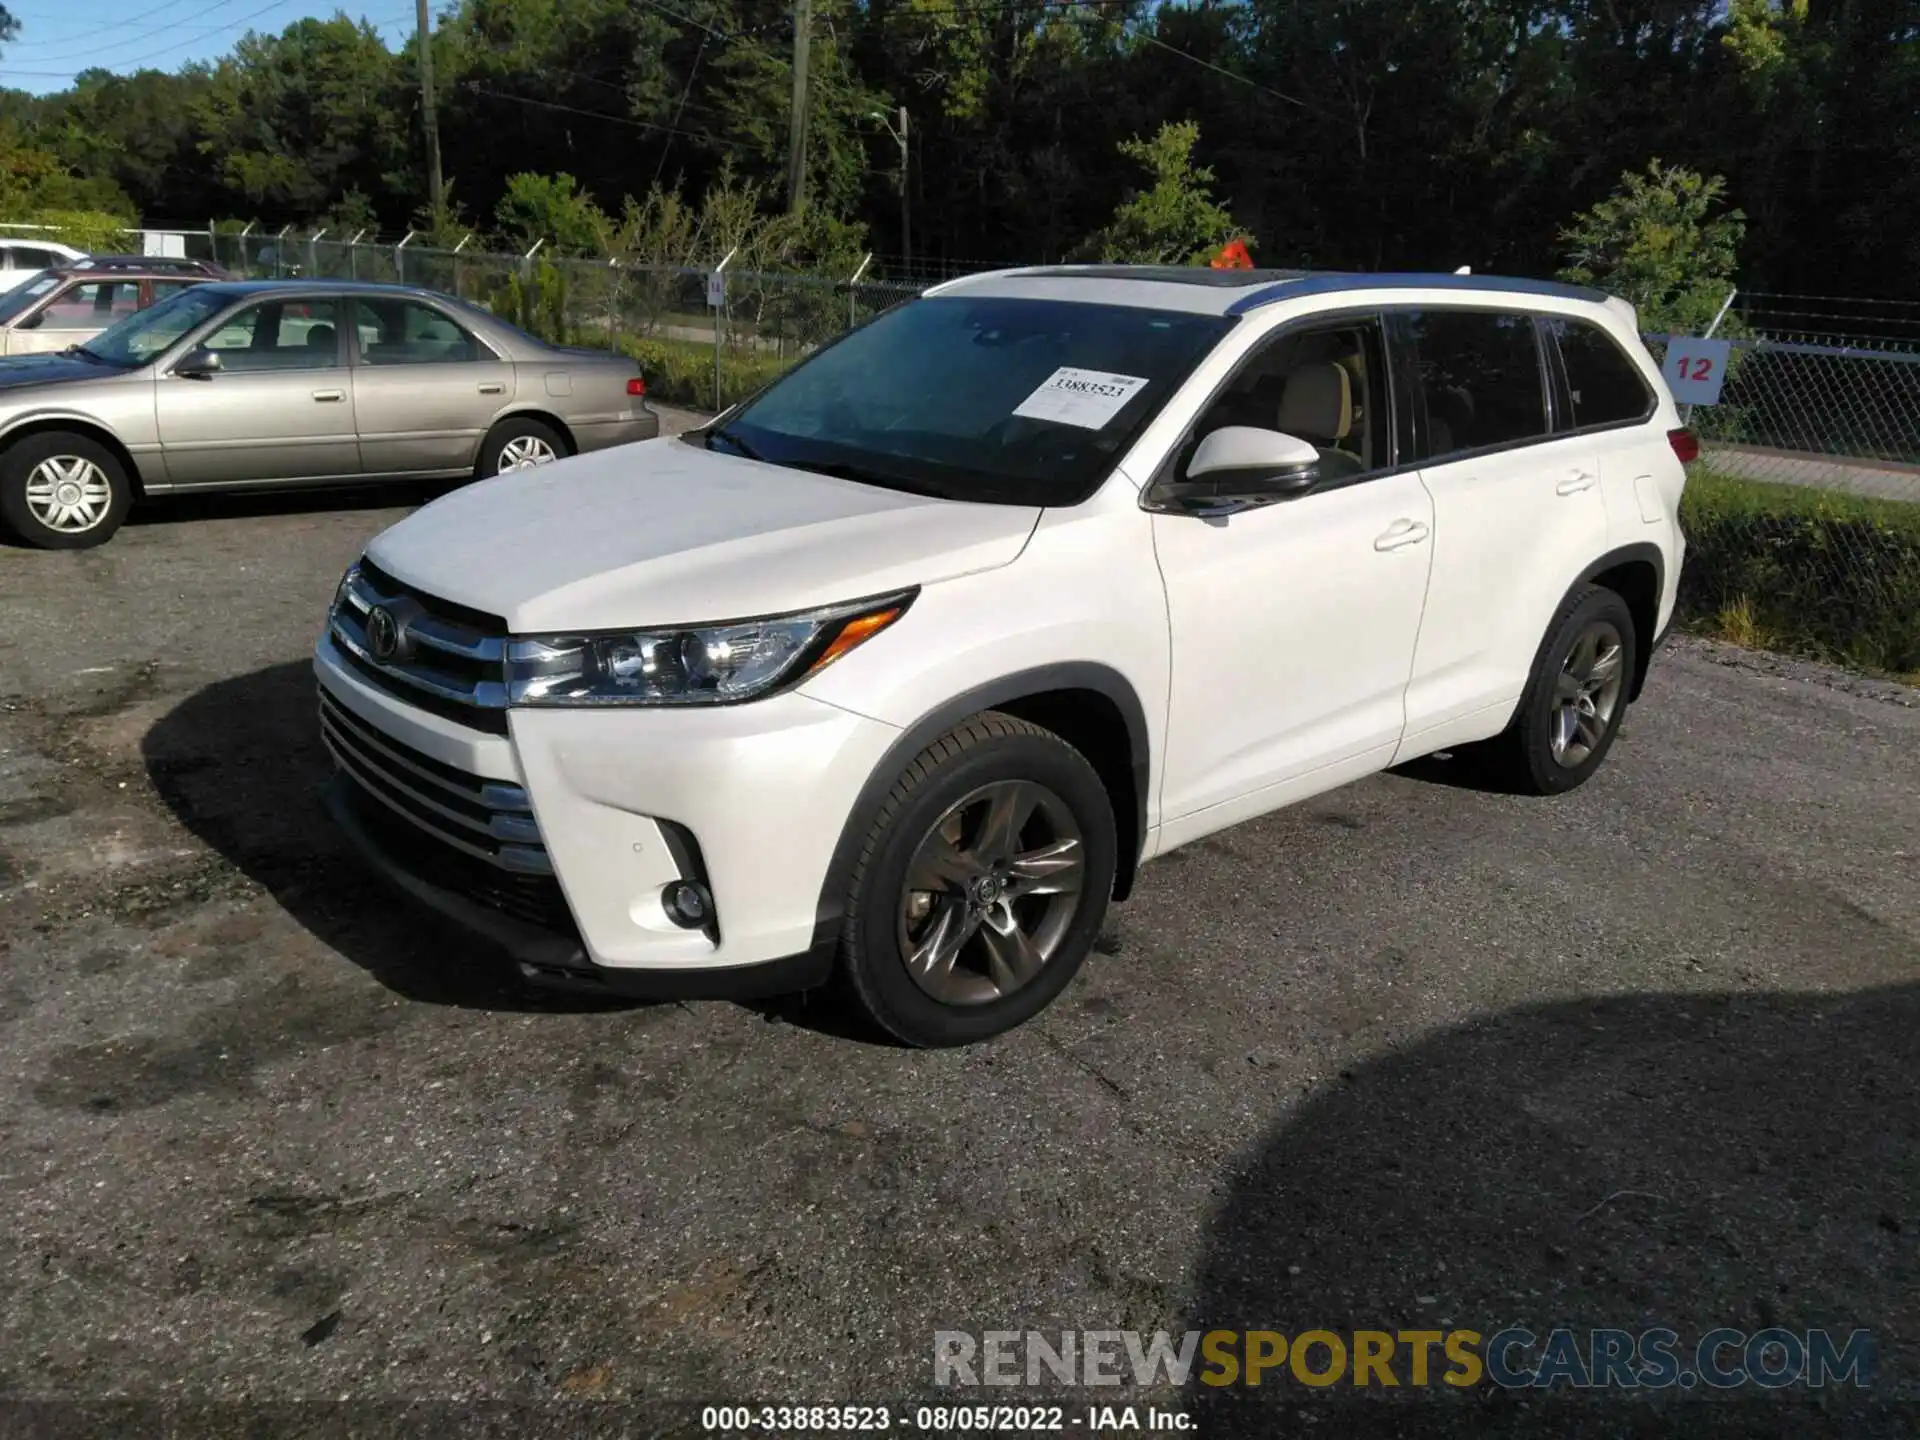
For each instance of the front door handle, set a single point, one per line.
(493, 387)
(328, 396)
(1401, 534)
(1575, 482)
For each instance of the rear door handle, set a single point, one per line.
(1576, 482)
(324, 396)
(1401, 534)
(493, 387)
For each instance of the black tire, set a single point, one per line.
(1523, 757)
(515, 428)
(17, 468)
(987, 749)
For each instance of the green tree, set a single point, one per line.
(553, 208)
(1663, 242)
(1175, 220)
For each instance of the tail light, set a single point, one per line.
(637, 385)
(1686, 445)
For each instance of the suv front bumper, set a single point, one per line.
(556, 841)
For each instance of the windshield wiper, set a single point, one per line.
(726, 434)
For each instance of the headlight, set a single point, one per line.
(693, 664)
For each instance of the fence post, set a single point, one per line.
(313, 250)
(280, 250)
(456, 263)
(1719, 315)
(400, 260)
(852, 290)
(353, 257)
(719, 320)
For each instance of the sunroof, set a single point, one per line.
(1178, 274)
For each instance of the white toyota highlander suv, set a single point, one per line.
(902, 668)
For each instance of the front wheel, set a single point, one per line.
(982, 885)
(60, 491)
(518, 445)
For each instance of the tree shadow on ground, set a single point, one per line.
(1692, 1162)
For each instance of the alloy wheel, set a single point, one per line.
(523, 452)
(1586, 693)
(68, 494)
(991, 892)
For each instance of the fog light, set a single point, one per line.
(689, 904)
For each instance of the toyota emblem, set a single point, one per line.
(383, 633)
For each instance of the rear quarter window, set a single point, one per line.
(1604, 386)
(1480, 376)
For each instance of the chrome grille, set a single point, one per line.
(449, 661)
(485, 820)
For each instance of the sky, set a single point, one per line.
(57, 41)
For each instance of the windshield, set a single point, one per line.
(140, 337)
(25, 293)
(1012, 401)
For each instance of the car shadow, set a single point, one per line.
(319, 500)
(1682, 1161)
(240, 763)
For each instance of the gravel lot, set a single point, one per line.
(1411, 1053)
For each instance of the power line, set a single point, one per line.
(479, 89)
(1219, 70)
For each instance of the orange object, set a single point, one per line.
(1233, 256)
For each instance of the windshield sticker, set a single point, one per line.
(1086, 398)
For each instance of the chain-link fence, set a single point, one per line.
(692, 350)
(1803, 511)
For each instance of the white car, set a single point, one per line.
(901, 669)
(22, 259)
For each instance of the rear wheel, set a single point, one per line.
(518, 444)
(1575, 700)
(982, 885)
(61, 491)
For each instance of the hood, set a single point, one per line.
(17, 371)
(665, 533)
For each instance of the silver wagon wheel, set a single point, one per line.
(523, 452)
(68, 494)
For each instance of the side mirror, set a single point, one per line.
(1241, 464)
(200, 364)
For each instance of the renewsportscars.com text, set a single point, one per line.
(1512, 1358)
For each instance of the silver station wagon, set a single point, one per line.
(271, 383)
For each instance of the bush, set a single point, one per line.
(1793, 568)
(681, 371)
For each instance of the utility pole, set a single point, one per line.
(906, 228)
(797, 127)
(436, 197)
(900, 138)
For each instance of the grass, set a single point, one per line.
(1803, 570)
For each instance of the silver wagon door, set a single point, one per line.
(425, 389)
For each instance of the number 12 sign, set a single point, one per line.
(1695, 369)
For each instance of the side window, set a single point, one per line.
(163, 289)
(28, 257)
(1326, 385)
(1480, 375)
(91, 306)
(404, 332)
(1606, 388)
(280, 335)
